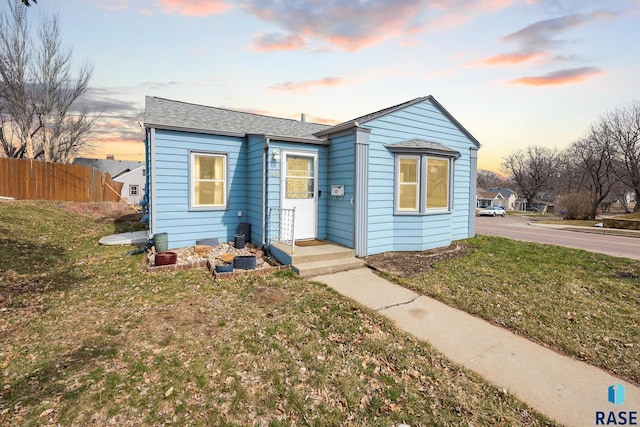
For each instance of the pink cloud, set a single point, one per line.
(323, 120)
(574, 75)
(510, 58)
(307, 86)
(268, 42)
(541, 41)
(541, 34)
(194, 7)
(344, 25)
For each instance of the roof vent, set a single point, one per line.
(303, 117)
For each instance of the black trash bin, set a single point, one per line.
(238, 241)
(245, 228)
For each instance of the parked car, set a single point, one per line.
(532, 209)
(491, 211)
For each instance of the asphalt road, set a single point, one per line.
(518, 228)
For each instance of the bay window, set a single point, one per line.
(423, 183)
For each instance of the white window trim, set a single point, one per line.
(192, 181)
(449, 184)
(418, 186)
(422, 185)
(133, 187)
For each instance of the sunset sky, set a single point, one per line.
(514, 73)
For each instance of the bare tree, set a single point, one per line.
(534, 170)
(621, 128)
(489, 179)
(590, 169)
(37, 91)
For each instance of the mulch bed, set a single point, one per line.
(411, 264)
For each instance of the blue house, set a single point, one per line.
(398, 179)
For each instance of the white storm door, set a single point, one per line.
(299, 191)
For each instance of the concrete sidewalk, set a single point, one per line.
(566, 390)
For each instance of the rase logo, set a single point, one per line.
(615, 395)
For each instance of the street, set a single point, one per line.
(518, 228)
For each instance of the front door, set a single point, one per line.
(300, 192)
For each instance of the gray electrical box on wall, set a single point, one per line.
(337, 190)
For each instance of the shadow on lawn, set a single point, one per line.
(47, 380)
(126, 222)
(34, 267)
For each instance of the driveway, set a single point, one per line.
(518, 228)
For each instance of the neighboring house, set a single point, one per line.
(510, 198)
(486, 198)
(133, 184)
(130, 173)
(521, 204)
(399, 179)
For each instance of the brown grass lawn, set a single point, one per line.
(89, 337)
(579, 303)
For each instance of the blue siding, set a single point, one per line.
(340, 213)
(393, 232)
(254, 204)
(171, 192)
(387, 231)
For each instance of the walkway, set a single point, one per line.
(566, 390)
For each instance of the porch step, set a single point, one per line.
(315, 260)
(316, 268)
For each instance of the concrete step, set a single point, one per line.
(316, 268)
(305, 254)
(321, 253)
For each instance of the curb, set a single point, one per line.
(592, 230)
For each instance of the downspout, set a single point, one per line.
(144, 203)
(264, 190)
(151, 176)
(473, 169)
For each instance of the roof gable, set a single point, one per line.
(359, 121)
(488, 195)
(506, 192)
(113, 167)
(176, 115)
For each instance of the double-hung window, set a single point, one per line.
(408, 183)
(423, 177)
(208, 184)
(437, 185)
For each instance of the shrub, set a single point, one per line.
(575, 205)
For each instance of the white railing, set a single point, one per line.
(281, 226)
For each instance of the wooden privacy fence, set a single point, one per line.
(34, 180)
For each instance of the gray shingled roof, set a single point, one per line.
(113, 167)
(168, 114)
(506, 192)
(487, 195)
(380, 113)
(421, 145)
